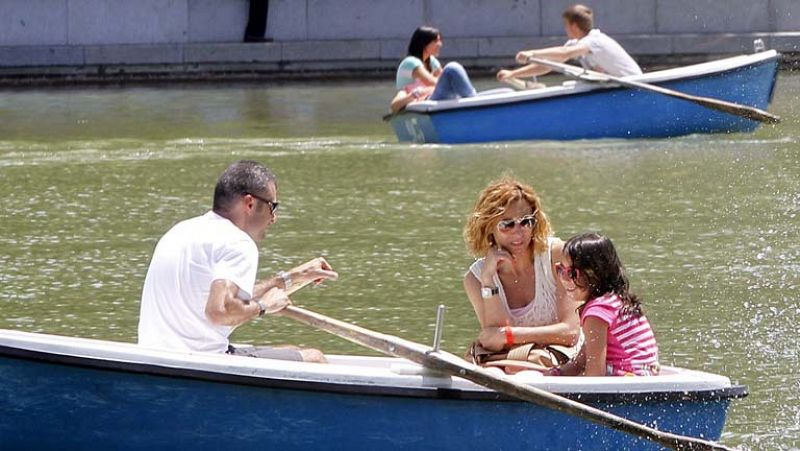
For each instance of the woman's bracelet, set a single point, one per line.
(509, 335)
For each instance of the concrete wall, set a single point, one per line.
(367, 34)
(103, 22)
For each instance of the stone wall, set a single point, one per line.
(54, 37)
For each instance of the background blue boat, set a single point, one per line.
(581, 110)
(72, 393)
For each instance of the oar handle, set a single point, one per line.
(297, 287)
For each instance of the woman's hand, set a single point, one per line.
(493, 338)
(496, 257)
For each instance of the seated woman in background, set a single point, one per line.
(420, 75)
(512, 285)
(453, 83)
(619, 339)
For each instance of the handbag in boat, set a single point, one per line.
(530, 356)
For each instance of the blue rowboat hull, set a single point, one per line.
(110, 400)
(590, 111)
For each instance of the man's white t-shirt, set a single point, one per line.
(605, 55)
(190, 256)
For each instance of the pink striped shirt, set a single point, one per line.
(631, 345)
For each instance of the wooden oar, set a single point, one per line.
(447, 363)
(736, 109)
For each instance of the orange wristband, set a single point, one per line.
(509, 335)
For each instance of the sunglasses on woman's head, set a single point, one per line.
(508, 225)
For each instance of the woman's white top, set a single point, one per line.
(541, 310)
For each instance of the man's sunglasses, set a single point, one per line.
(508, 225)
(271, 204)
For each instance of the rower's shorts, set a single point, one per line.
(266, 352)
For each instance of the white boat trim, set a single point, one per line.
(573, 87)
(358, 371)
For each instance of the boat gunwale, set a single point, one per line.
(432, 108)
(422, 391)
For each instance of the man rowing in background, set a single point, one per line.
(594, 49)
(201, 283)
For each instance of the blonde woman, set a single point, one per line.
(512, 285)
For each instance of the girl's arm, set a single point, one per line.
(591, 359)
(422, 74)
(596, 331)
(572, 368)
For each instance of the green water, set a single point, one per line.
(707, 225)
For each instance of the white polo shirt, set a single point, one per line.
(606, 55)
(190, 256)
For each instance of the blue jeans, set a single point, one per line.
(453, 83)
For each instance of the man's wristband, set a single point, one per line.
(287, 279)
(261, 308)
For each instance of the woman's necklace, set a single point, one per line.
(515, 274)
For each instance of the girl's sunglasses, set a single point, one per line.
(567, 272)
(508, 225)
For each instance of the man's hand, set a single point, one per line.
(504, 74)
(275, 300)
(316, 270)
(522, 57)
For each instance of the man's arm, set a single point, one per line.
(225, 307)
(557, 54)
(531, 70)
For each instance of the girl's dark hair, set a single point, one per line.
(600, 269)
(419, 40)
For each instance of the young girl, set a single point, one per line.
(420, 68)
(618, 337)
